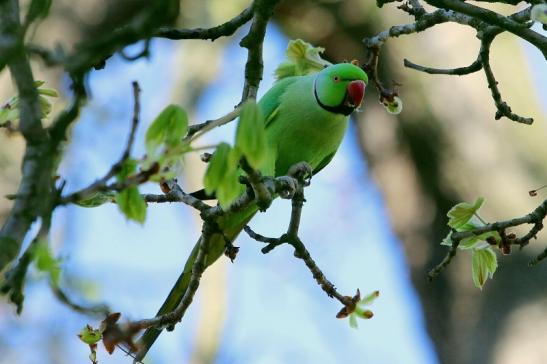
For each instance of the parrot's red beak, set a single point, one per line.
(355, 93)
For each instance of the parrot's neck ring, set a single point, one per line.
(342, 108)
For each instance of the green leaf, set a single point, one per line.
(132, 204)
(369, 299)
(222, 174)
(478, 241)
(45, 106)
(472, 242)
(10, 111)
(251, 134)
(128, 168)
(303, 59)
(460, 214)
(168, 128)
(89, 335)
(48, 92)
(353, 322)
(96, 199)
(484, 265)
(218, 168)
(45, 261)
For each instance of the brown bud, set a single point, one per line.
(165, 187)
(231, 252)
(491, 240)
(205, 157)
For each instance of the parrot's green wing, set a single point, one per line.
(270, 102)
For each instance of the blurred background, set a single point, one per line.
(374, 218)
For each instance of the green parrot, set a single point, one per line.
(305, 119)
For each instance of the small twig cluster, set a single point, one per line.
(488, 26)
(535, 218)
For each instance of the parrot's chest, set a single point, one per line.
(309, 134)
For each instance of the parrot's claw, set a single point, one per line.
(301, 171)
(286, 186)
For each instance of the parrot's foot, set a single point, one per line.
(286, 186)
(302, 171)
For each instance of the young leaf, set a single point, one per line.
(368, 299)
(460, 214)
(96, 199)
(132, 204)
(45, 106)
(127, 169)
(484, 265)
(168, 128)
(45, 261)
(89, 335)
(229, 190)
(479, 241)
(353, 322)
(218, 168)
(303, 59)
(48, 92)
(251, 135)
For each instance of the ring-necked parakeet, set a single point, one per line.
(306, 117)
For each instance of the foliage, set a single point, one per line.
(464, 217)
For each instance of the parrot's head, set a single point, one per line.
(340, 88)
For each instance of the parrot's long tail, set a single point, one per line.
(231, 227)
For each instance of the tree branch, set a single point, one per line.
(460, 71)
(492, 18)
(253, 41)
(223, 30)
(487, 25)
(536, 217)
(33, 194)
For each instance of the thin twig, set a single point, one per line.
(223, 30)
(101, 184)
(460, 71)
(502, 108)
(536, 217)
(96, 310)
(195, 131)
(253, 41)
(492, 18)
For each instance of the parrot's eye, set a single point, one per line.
(336, 79)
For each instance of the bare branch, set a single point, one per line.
(253, 41)
(492, 18)
(223, 30)
(460, 71)
(502, 108)
(195, 131)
